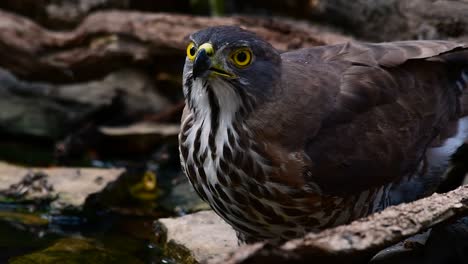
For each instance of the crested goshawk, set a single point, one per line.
(280, 144)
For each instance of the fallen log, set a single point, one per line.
(106, 41)
(63, 14)
(59, 13)
(358, 241)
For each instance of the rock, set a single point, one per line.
(76, 250)
(448, 243)
(410, 251)
(141, 137)
(183, 198)
(136, 192)
(50, 111)
(143, 128)
(26, 108)
(67, 187)
(196, 238)
(136, 90)
(27, 236)
(29, 219)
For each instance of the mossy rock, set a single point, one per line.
(76, 250)
(29, 219)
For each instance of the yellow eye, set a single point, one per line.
(191, 51)
(242, 57)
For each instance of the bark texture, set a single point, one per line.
(63, 14)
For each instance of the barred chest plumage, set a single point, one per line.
(231, 171)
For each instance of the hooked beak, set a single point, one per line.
(202, 65)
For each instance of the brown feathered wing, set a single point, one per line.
(386, 103)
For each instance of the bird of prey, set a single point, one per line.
(281, 144)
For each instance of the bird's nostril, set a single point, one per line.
(208, 48)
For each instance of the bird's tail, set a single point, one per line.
(462, 86)
(464, 92)
(457, 61)
(457, 170)
(446, 164)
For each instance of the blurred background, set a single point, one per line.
(90, 102)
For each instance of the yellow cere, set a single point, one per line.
(208, 48)
(242, 57)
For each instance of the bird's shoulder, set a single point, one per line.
(385, 54)
(328, 85)
(344, 80)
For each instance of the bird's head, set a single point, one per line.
(230, 67)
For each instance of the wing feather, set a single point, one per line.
(392, 100)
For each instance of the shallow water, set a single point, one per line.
(108, 235)
(118, 232)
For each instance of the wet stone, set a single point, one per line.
(183, 199)
(196, 238)
(65, 187)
